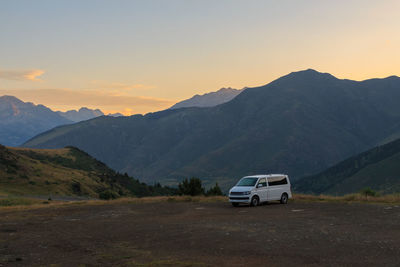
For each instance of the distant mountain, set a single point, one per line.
(212, 99)
(299, 124)
(65, 172)
(20, 121)
(115, 114)
(82, 114)
(377, 168)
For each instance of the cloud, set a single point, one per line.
(108, 102)
(21, 75)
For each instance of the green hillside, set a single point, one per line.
(299, 124)
(65, 172)
(378, 168)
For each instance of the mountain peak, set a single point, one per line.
(82, 114)
(307, 75)
(311, 73)
(11, 99)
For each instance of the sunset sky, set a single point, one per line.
(143, 56)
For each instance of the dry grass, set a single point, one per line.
(135, 200)
(38, 204)
(52, 152)
(18, 201)
(28, 203)
(389, 199)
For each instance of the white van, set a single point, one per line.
(256, 189)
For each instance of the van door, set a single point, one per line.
(262, 189)
(276, 187)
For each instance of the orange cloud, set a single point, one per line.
(21, 75)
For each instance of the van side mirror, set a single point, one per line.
(259, 185)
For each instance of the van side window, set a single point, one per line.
(277, 180)
(263, 181)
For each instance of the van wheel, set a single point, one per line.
(284, 198)
(235, 204)
(255, 201)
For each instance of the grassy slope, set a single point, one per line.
(378, 168)
(67, 171)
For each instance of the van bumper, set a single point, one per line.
(239, 199)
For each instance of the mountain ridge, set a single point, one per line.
(20, 121)
(299, 124)
(82, 114)
(211, 99)
(377, 168)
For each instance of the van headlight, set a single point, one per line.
(247, 193)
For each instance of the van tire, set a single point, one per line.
(255, 201)
(284, 198)
(235, 204)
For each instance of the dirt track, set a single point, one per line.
(185, 234)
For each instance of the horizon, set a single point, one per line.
(246, 87)
(136, 57)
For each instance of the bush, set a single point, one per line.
(214, 191)
(108, 194)
(368, 192)
(76, 188)
(191, 187)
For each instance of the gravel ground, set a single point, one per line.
(202, 234)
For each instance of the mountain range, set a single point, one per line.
(298, 124)
(212, 99)
(20, 121)
(82, 114)
(377, 168)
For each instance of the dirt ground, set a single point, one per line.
(202, 234)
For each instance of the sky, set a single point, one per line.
(144, 56)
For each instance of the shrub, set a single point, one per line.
(76, 188)
(191, 187)
(368, 192)
(214, 191)
(108, 194)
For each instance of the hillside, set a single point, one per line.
(378, 168)
(299, 124)
(212, 99)
(65, 172)
(20, 121)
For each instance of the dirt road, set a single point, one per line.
(202, 234)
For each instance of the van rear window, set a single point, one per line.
(277, 180)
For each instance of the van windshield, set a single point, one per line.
(247, 182)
